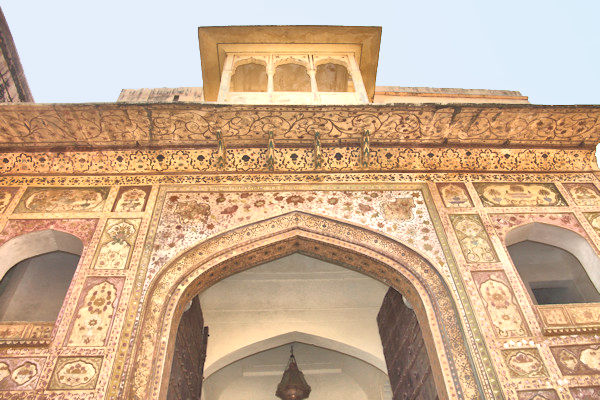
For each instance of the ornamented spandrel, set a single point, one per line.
(519, 194)
(6, 195)
(473, 238)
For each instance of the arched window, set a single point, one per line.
(249, 77)
(333, 77)
(291, 78)
(556, 265)
(36, 270)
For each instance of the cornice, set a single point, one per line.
(170, 125)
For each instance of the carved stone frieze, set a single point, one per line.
(106, 125)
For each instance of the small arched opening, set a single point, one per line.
(36, 270)
(291, 77)
(250, 76)
(557, 265)
(333, 77)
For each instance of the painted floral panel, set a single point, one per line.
(59, 199)
(594, 220)
(95, 312)
(584, 194)
(586, 393)
(20, 373)
(519, 194)
(500, 303)
(75, 373)
(577, 360)
(6, 195)
(132, 199)
(116, 244)
(473, 238)
(524, 363)
(454, 194)
(548, 394)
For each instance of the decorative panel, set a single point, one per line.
(519, 194)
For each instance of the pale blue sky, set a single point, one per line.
(83, 51)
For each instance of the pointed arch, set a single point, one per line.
(41, 262)
(34, 244)
(567, 240)
(298, 337)
(336, 242)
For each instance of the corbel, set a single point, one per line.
(317, 151)
(221, 152)
(271, 152)
(364, 149)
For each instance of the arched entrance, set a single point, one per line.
(346, 245)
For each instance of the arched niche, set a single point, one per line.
(36, 270)
(249, 76)
(291, 77)
(340, 243)
(333, 77)
(556, 264)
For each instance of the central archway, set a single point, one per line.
(339, 243)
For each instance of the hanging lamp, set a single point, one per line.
(293, 386)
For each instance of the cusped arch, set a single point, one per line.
(563, 238)
(344, 244)
(295, 337)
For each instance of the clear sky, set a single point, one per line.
(87, 51)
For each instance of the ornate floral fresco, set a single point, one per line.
(578, 360)
(525, 363)
(473, 239)
(537, 395)
(455, 194)
(519, 195)
(500, 303)
(19, 373)
(76, 373)
(116, 244)
(132, 198)
(586, 393)
(140, 210)
(45, 200)
(95, 312)
(584, 194)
